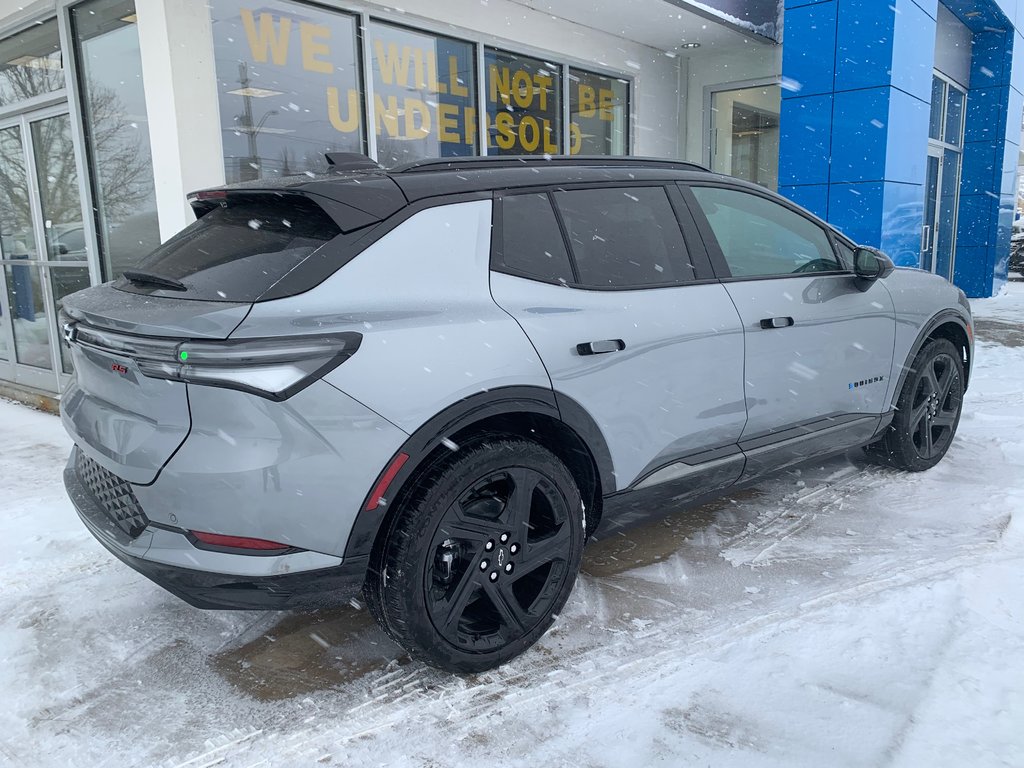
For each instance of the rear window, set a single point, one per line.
(241, 248)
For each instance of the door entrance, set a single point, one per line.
(942, 179)
(43, 255)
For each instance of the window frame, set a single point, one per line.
(721, 267)
(698, 265)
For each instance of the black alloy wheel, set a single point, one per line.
(927, 410)
(482, 557)
(935, 407)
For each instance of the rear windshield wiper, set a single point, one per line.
(141, 277)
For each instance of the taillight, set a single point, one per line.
(275, 368)
(237, 542)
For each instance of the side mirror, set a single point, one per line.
(871, 264)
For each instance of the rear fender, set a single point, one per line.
(423, 443)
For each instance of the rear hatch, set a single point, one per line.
(127, 405)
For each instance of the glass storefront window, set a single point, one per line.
(524, 104)
(31, 64)
(954, 115)
(935, 118)
(59, 199)
(28, 315)
(116, 132)
(598, 114)
(17, 232)
(424, 95)
(290, 86)
(745, 134)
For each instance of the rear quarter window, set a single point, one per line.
(532, 245)
(242, 247)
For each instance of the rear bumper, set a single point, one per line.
(220, 580)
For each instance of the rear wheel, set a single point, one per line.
(482, 556)
(927, 411)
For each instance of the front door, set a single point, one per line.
(42, 244)
(819, 343)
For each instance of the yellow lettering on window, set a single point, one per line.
(506, 138)
(606, 102)
(588, 101)
(267, 43)
(522, 89)
(313, 47)
(350, 122)
(550, 146)
(393, 70)
(529, 133)
(448, 123)
(543, 84)
(415, 108)
(470, 126)
(575, 139)
(435, 85)
(499, 80)
(387, 115)
(453, 78)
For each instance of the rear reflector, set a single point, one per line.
(237, 542)
(385, 480)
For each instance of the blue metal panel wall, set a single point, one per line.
(854, 125)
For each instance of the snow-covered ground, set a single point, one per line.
(842, 615)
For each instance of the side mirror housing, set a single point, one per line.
(871, 264)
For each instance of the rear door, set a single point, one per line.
(819, 342)
(607, 293)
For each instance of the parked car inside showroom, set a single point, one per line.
(434, 384)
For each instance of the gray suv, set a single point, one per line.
(433, 384)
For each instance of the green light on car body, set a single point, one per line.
(183, 355)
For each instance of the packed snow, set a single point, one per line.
(841, 615)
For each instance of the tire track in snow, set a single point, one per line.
(464, 704)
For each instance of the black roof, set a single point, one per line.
(376, 193)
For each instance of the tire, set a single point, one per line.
(927, 411)
(481, 557)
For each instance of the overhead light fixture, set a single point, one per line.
(131, 18)
(256, 93)
(36, 62)
(690, 45)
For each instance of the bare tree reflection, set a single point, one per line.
(120, 165)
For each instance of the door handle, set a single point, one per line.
(600, 347)
(776, 322)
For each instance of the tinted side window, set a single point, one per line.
(623, 237)
(759, 237)
(531, 241)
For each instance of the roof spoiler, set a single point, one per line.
(351, 161)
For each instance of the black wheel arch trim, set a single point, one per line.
(462, 414)
(940, 318)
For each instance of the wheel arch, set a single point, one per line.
(947, 324)
(553, 420)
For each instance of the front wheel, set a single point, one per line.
(927, 411)
(482, 557)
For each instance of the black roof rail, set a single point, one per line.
(351, 161)
(512, 161)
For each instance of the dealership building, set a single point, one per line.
(899, 121)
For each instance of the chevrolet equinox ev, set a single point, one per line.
(433, 384)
